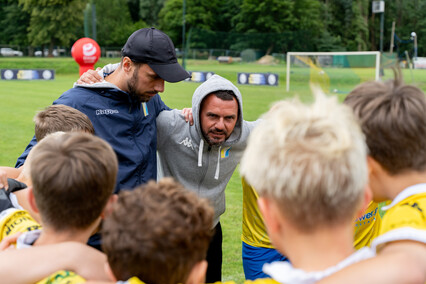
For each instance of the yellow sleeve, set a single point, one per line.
(404, 221)
(367, 227)
(410, 214)
(62, 277)
(15, 220)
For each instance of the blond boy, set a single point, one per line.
(308, 164)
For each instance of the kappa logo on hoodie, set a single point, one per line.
(187, 142)
(106, 111)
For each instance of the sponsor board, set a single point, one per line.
(27, 74)
(268, 79)
(198, 76)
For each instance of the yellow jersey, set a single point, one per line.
(254, 230)
(14, 220)
(367, 227)
(133, 280)
(405, 217)
(62, 277)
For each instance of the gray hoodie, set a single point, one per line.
(185, 155)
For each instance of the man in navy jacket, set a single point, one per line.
(123, 108)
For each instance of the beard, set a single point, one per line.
(214, 142)
(132, 90)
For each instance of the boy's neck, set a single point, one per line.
(397, 183)
(320, 249)
(49, 236)
(22, 177)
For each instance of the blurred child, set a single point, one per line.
(308, 164)
(73, 176)
(158, 233)
(61, 118)
(51, 119)
(257, 248)
(393, 119)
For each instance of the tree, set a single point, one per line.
(290, 24)
(149, 10)
(14, 22)
(114, 23)
(409, 16)
(200, 14)
(53, 22)
(349, 21)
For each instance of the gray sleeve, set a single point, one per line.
(166, 125)
(251, 124)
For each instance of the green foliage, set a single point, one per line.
(201, 14)
(53, 22)
(308, 16)
(327, 42)
(14, 22)
(274, 19)
(149, 10)
(114, 23)
(349, 21)
(170, 19)
(266, 26)
(358, 30)
(409, 16)
(270, 16)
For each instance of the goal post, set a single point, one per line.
(308, 62)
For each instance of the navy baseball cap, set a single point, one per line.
(155, 48)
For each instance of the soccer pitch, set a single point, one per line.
(20, 100)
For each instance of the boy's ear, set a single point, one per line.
(109, 272)
(374, 167)
(31, 200)
(198, 273)
(109, 206)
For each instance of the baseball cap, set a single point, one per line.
(155, 48)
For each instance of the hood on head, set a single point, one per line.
(213, 84)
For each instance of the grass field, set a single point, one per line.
(20, 100)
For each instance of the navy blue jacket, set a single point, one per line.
(129, 126)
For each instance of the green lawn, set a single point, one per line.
(20, 100)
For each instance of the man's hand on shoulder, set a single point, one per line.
(187, 113)
(90, 77)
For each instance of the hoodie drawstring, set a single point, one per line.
(216, 175)
(200, 153)
(200, 158)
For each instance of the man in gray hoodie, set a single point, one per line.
(203, 157)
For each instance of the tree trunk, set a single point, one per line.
(372, 33)
(270, 48)
(51, 48)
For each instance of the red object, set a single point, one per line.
(86, 53)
